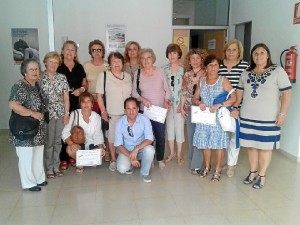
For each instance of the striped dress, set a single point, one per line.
(260, 107)
(208, 136)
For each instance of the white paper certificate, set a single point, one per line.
(205, 117)
(88, 157)
(156, 113)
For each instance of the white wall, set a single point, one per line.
(272, 23)
(148, 22)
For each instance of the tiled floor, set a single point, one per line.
(175, 196)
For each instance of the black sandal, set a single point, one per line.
(247, 180)
(204, 172)
(258, 184)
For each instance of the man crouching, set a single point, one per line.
(133, 139)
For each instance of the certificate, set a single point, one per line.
(156, 113)
(88, 157)
(205, 117)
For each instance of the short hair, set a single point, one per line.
(126, 56)
(131, 99)
(252, 64)
(25, 63)
(201, 52)
(96, 42)
(117, 55)
(209, 59)
(85, 95)
(148, 50)
(76, 59)
(239, 45)
(174, 48)
(53, 55)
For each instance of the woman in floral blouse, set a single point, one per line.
(55, 90)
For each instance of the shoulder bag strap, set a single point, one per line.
(138, 82)
(104, 88)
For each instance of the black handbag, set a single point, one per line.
(104, 124)
(23, 127)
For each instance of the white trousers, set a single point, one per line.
(232, 151)
(31, 166)
(175, 126)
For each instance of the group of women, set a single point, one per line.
(97, 90)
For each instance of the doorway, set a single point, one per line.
(243, 34)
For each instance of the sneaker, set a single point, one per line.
(230, 171)
(112, 166)
(161, 164)
(128, 172)
(147, 179)
(196, 171)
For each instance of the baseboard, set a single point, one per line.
(4, 131)
(289, 156)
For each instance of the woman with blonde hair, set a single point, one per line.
(55, 90)
(232, 67)
(195, 70)
(132, 57)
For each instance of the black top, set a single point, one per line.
(74, 78)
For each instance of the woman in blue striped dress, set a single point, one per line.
(266, 92)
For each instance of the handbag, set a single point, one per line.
(77, 132)
(23, 127)
(227, 122)
(104, 124)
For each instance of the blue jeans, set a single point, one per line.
(146, 155)
(159, 134)
(195, 155)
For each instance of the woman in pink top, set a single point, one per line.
(152, 88)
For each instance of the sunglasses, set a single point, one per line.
(194, 88)
(130, 131)
(97, 50)
(172, 81)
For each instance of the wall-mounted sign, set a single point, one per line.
(211, 44)
(297, 13)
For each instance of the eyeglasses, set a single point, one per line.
(130, 131)
(146, 58)
(194, 88)
(97, 50)
(172, 81)
(33, 70)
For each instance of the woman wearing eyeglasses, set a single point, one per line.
(194, 72)
(175, 121)
(76, 78)
(154, 90)
(118, 87)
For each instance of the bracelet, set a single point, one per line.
(83, 89)
(282, 114)
(235, 107)
(67, 113)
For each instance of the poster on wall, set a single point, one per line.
(297, 13)
(115, 38)
(25, 44)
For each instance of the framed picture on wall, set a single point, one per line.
(25, 44)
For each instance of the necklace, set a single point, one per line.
(195, 73)
(118, 77)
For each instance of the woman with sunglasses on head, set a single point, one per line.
(175, 121)
(76, 78)
(194, 72)
(132, 57)
(232, 67)
(153, 90)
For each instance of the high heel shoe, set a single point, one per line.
(258, 184)
(247, 180)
